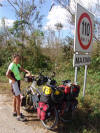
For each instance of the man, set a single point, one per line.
(13, 73)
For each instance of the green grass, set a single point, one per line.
(3, 79)
(87, 117)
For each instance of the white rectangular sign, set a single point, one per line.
(84, 28)
(80, 60)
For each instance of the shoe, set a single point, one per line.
(19, 118)
(22, 116)
(15, 114)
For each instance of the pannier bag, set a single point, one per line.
(45, 98)
(67, 91)
(35, 99)
(71, 91)
(23, 101)
(57, 96)
(47, 90)
(42, 110)
(75, 89)
(46, 94)
(42, 80)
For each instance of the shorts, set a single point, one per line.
(16, 88)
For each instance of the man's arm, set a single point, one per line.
(8, 74)
(24, 70)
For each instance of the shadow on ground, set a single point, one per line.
(85, 120)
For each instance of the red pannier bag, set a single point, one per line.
(71, 91)
(42, 110)
(75, 89)
(66, 89)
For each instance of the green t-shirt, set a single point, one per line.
(15, 69)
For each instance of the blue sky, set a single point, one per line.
(9, 13)
(57, 14)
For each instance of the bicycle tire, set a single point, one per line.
(64, 117)
(55, 122)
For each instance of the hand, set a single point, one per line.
(28, 74)
(13, 81)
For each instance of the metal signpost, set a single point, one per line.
(84, 25)
(80, 60)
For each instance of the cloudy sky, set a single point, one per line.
(53, 16)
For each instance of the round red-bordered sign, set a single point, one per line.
(79, 22)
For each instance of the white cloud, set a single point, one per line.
(8, 22)
(57, 15)
(89, 4)
(2, 0)
(60, 15)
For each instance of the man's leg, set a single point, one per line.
(14, 104)
(18, 105)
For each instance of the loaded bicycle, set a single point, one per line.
(52, 102)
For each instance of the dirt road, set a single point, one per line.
(9, 124)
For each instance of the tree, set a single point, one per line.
(28, 16)
(94, 7)
(59, 27)
(65, 4)
(4, 34)
(28, 19)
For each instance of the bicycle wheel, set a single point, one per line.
(52, 120)
(69, 110)
(66, 117)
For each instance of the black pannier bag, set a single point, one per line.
(23, 101)
(45, 98)
(42, 80)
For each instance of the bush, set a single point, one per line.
(28, 60)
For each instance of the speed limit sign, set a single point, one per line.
(84, 26)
